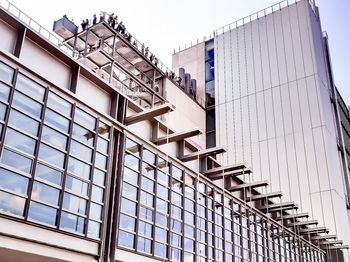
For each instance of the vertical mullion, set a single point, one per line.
(65, 166)
(91, 178)
(138, 204)
(170, 169)
(36, 154)
(195, 218)
(155, 206)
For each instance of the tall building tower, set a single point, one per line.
(271, 99)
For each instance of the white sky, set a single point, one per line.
(164, 25)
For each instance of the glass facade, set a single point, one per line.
(53, 163)
(168, 213)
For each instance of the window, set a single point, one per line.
(12, 181)
(42, 213)
(6, 73)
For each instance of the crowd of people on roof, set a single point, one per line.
(112, 21)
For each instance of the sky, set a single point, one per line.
(165, 25)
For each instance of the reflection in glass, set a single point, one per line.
(99, 177)
(97, 194)
(74, 203)
(23, 122)
(42, 213)
(11, 204)
(72, 222)
(51, 155)
(103, 130)
(145, 229)
(102, 145)
(128, 206)
(3, 108)
(29, 87)
(54, 137)
(126, 239)
(79, 168)
(17, 161)
(147, 184)
(27, 104)
(129, 191)
(127, 223)
(49, 174)
(4, 92)
(83, 134)
(56, 120)
(81, 151)
(94, 229)
(160, 250)
(59, 104)
(131, 161)
(84, 119)
(146, 213)
(76, 185)
(20, 141)
(133, 147)
(6, 73)
(95, 211)
(45, 193)
(130, 176)
(12, 181)
(144, 245)
(101, 161)
(149, 156)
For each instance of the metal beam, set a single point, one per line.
(223, 169)
(232, 173)
(279, 207)
(303, 223)
(203, 153)
(292, 216)
(149, 114)
(248, 185)
(177, 136)
(314, 230)
(338, 247)
(332, 242)
(265, 196)
(323, 237)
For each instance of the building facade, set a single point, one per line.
(100, 160)
(271, 99)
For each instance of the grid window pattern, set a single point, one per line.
(54, 157)
(170, 214)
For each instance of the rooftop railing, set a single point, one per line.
(248, 19)
(59, 42)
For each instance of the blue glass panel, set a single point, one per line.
(19, 141)
(24, 123)
(126, 239)
(17, 161)
(13, 181)
(54, 138)
(48, 174)
(29, 87)
(11, 204)
(27, 104)
(42, 213)
(45, 193)
(51, 155)
(72, 222)
(74, 203)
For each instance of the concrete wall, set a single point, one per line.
(274, 112)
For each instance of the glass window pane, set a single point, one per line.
(54, 138)
(79, 168)
(24, 122)
(160, 234)
(149, 156)
(128, 206)
(29, 87)
(6, 73)
(146, 213)
(42, 213)
(81, 151)
(72, 222)
(130, 176)
(84, 119)
(59, 104)
(129, 191)
(131, 161)
(97, 194)
(160, 250)
(147, 184)
(3, 108)
(99, 177)
(127, 223)
(27, 104)
(45, 193)
(77, 185)
(49, 174)
(102, 145)
(146, 199)
(176, 172)
(19, 141)
(17, 161)
(145, 229)
(126, 239)
(4, 91)
(11, 204)
(56, 120)
(103, 130)
(148, 170)
(101, 161)
(51, 155)
(74, 203)
(13, 181)
(94, 229)
(95, 211)
(83, 134)
(144, 245)
(133, 147)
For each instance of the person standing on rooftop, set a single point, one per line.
(146, 51)
(94, 19)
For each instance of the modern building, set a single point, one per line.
(100, 159)
(271, 99)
